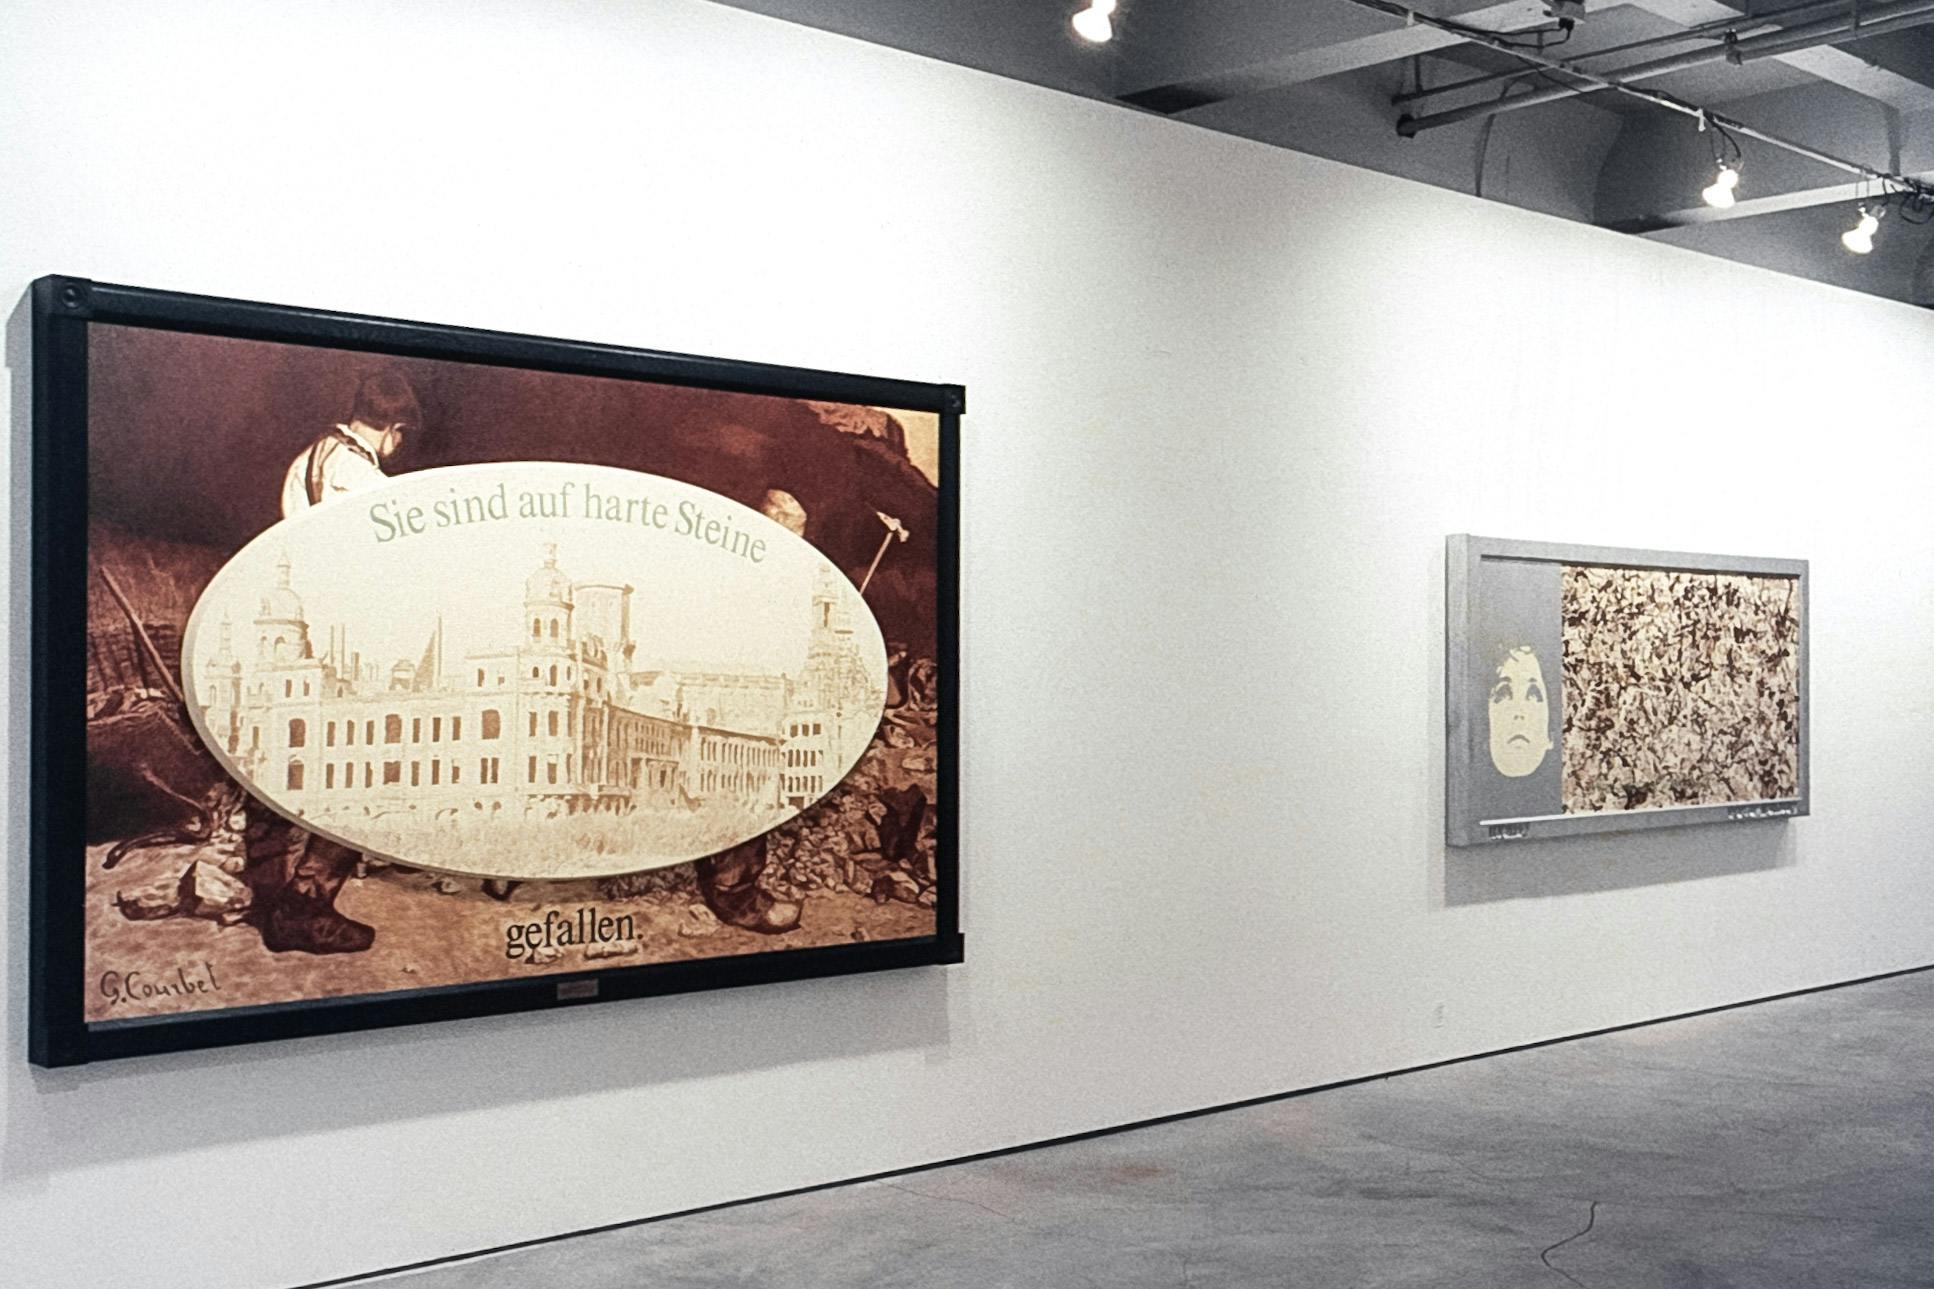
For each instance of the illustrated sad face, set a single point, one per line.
(1520, 715)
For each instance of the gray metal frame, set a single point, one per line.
(1463, 824)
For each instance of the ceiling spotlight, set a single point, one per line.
(1860, 238)
(1721, 191)
(1092, 24)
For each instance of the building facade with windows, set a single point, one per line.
(554, 724)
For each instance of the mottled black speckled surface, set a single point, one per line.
(1679, 688)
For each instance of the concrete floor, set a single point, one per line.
(1786, 1144)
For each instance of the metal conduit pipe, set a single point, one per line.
(1497, 41)
(1878, 19)
(1742, 24)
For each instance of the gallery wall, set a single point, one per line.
(1224, 403)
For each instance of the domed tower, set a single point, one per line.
(281, 632)
(547, 604)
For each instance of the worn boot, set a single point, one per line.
(294, 876)
(729, 881)
(906, 810)
(303, 926)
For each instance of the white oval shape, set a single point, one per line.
(534, 670)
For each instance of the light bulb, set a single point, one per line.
(1860, 238)
(1092, 24)
(1719, 193)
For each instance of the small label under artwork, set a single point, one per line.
(576, 990)
(1507, 832)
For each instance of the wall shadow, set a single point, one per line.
(1531, 870)
(158, 1105)
(13, 1019)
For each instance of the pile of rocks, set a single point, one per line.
(872, 835)
(206, 889)
(674, 889)
(679, 881)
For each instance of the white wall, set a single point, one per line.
(1225, 403)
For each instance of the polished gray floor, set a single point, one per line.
(1786, 1144)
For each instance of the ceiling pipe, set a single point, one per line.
(1738, 23)
(1497, 41)
(1875, 20)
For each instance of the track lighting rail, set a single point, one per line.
(1502, 42)
(1831, 31)
(1739, 25)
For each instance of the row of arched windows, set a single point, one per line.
(732, 752)
(393, 729)
(488, 771)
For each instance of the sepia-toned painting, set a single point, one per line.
(1593, 689)
(407, 672)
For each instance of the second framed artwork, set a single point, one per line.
(1598, 689)
(388, 672)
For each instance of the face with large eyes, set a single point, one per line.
(1520, 715)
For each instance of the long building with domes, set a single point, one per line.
(555, 721)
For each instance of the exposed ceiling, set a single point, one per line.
(1854, 80)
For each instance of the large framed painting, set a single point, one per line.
(386, 672)
(1597, 689)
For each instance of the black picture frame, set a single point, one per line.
(63, 311)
